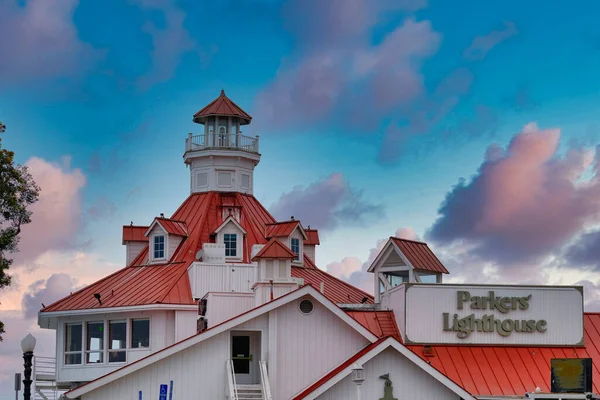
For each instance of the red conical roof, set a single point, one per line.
(222, 106)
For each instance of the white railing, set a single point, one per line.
(234, 141)
(44, 379)
(231, 380)
(264, 380)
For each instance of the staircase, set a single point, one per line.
(249, 392)
(44, 379)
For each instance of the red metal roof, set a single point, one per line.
(381, 323)
(201, 213)
(222, 106)
(173, 227)
(275, 249)
(313, 237)
(280, 229)
(511, 371)
(133, 233)
(420, 255)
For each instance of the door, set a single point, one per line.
(244, 353)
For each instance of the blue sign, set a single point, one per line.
(140, 395)
(163, 392)
(171, 391)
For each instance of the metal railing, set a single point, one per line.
(221, 141)
(231, 380)
(44, 379)
(264, 380)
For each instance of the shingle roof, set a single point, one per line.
(275, 249)
(222, 106)
(420, 255)
(512, 371)
(141, 283)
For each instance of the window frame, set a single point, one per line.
(68, 353)
(130, 343)
(87, 352)
(299, 252)
(164, 249)
(109, 348)
(235, 242)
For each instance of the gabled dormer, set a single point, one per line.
(134, 240)
(290, 233)
(164, 236)
(404, 261)
(231, 234)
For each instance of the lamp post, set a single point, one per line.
(27, 345)
(358, 377)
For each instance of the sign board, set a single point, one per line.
(571, 375)
(171, 391)
(17, 382)
(495, 315)
(163, 392)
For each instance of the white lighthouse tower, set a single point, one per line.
(221, 158)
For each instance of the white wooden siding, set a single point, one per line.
(409, 381)
(206, 278)
(185, 324)
(308, 346)
(132, 249)
(309, 250)
(224, 306)
(174, 241)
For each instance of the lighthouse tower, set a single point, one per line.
(221, 158)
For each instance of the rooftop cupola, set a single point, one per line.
(221, 158)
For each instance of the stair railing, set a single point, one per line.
(231, 380)
(264, 380)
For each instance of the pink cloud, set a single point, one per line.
(326, 204)
(481, 45)
(57, 214)
(46, 291)
(43, 41)
(524, 203)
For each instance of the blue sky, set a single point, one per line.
(402, 98)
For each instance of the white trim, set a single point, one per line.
(151, 251)
(87, 311)
(383, 253)
(218, 329)
(152, 227)
(418, 361)
(227, 220)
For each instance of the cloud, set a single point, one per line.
(354, 271)
(524, 203)
(57, 214)
(102, 209)
(170, 40)
(481, 45)
(47, 291)
(591, 294)
(335, 64)
(48, 44)
(326, 204)
(585, 251)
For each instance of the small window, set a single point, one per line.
(159, 247)
(117, 340)
(230, 240)
(202, 179)
(73, 344)
(306, 306)
(245, 181)
(296, 248)
(95, 343)
(140, 333)
(224, 179)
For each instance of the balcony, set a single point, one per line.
(211, 141)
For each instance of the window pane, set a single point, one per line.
(117, 335)
(74, 338)
(116, 356)
(95, 342)
(71, 359)
(159, 246)
(296, 247)
(230, 241)
(140, 333)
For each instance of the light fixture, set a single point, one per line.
(28, 343)
(358, 374)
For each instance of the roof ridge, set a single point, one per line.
(409, 240)
(283, 222)
(171, 219)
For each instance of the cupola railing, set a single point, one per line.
(221, 141)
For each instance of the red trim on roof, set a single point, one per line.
(420, 255)
(132, 233)
(336, 290)
(313, 237)
(172, 226)
(275, 249)
(381, 323)
(280, 229)
(222, 106)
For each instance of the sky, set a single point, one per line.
(472, 125)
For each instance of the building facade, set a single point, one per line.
(221, 301)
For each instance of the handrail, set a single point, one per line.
(264, 379)
(231, 380)
(230, 141)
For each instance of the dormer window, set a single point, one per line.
(295, 245)
(159, 247)
(230, 241)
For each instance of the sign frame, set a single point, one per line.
(409, 285)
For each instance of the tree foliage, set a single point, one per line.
(18, 192)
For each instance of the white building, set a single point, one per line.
(222, 301)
